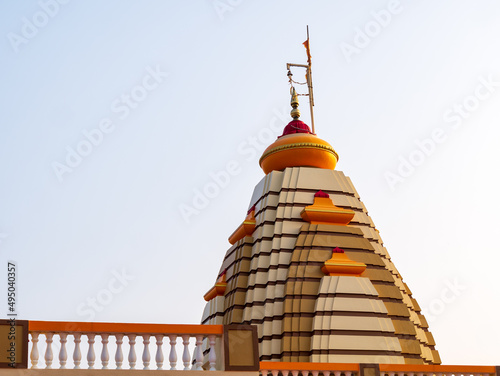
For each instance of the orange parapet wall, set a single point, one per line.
(112, 327)
(430, 369)
(384, 368)
(306, 366)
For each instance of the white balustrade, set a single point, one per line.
(48, 350)
(119, 351)
(34, 351)
(186, 357)
(132, 358)
(211, 355)
(198, 353)
(77, 355)
(104, 352)
(172, 356)
(146, 357)
(63, 356)
(91, 353)
(99, 353)
(159, 352)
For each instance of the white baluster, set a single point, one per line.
(91, 353)
(264, 372)
(295, 372)
(420, 374)
(172, 356)
(348, 373)
(392, 373)
(77, 355)
(186, 357)
(146, 357)
(315, 373)
(198, 353)
(159, 351)
(63, 356)
(326, 373)
(337, 373)
(284, 372)
(119, 352)
(34, 351)
(212, 357)
(104, 352)
(305, 373)
(275, 372)
(132, 358)
(48, 351)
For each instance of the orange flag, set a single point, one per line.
(306, 45)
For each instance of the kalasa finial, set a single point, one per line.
(294, 102)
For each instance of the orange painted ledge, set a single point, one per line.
(112, 327)
(245, 229)
(323, 211)
(436, 368)
(303, 366)
(218, 290)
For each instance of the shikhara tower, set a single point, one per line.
(308, 267)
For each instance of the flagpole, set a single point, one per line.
(308, 77)
(309, 81)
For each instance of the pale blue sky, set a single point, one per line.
(221, 80)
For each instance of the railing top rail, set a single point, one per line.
(308, 366)
(428, 368)
(123, 328)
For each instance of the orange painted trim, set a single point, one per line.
(218, 290)
(354, 367)
(436, 368)
(303, 366)
(114, 327)
(323, 211)
(245, 229)
(341, 265)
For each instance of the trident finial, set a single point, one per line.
(294, 103)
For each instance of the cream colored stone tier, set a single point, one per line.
(274, 280)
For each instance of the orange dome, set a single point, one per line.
(297, 150)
